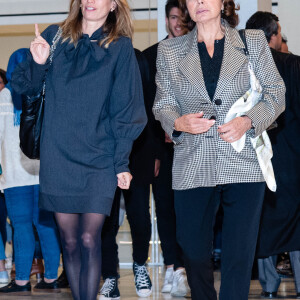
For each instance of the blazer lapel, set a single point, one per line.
(233, 59)
(190, 65)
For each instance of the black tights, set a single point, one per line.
(81, 243)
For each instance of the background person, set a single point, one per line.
(280, 222)
(20, 182)
(93, 113)
(3, 273)
(199, 77)
(175, 278)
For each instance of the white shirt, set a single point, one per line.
(17, 169)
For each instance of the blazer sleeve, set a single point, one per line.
(265, 112)
(166, 108)
(126, 108)
(27, 78)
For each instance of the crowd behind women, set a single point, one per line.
(98, 123)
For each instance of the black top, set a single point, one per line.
(94, 111)
(211, 66)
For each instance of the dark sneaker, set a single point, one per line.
(44, 287)
(110, 289)
(62, 280)
(143, 285)
(21, 290)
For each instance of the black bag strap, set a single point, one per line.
(242, 33)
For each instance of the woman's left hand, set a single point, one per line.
(234, 129)
(124, 180)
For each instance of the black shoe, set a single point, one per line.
(62, 280)
(298, 296)
(45, 287)
(269, 295)
(110, 290)
(143, 285)
(15, 288)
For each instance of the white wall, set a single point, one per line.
(288, 13)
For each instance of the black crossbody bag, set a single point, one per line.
(32, 114)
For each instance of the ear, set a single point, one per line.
(113, 6)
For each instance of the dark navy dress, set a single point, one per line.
(94, 110)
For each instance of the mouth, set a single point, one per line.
(178, 28)
(90, 8)
(201, 11)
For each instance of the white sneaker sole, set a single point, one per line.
(102, 297)
(179, 293)
(144, 294)
(166, 288)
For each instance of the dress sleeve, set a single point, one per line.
(27, 78)
(166, 109)
(127, 111)
(264, 113)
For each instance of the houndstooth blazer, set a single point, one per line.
(205, 160)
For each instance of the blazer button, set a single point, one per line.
(213, 118)
(218, 101)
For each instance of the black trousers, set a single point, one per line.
(109, 246)
(195, 216)
(138, 214)
(165, 211)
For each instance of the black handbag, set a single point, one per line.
(32, 114)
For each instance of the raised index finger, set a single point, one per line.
(37, 31)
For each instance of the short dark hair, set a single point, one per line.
(169, 5)
(265, 21)
(3, 76)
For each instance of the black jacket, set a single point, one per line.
(280, 224)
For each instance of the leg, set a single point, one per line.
(3, 216)
(295, 262)
(48, 236)
(242, 205)
(195, 212)
(90, 228)
(267, 274)
(19, 202)
(165, 212)
(68, 225)
(110, 260)
(137, 209)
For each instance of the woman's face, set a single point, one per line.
(97, 10)
(2, 85)
(204, 11)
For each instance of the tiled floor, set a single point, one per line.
(127, 290)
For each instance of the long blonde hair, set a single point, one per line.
(117, 24)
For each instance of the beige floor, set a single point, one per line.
(287, 289)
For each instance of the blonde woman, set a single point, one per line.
(93, 112)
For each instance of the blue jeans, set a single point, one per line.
(23, 211)
(2, 227)
(2, 250)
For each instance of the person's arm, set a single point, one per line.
(27, 78)
(166, 109)
(264, 113)
(126, 107)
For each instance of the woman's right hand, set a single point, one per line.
(193, 123)
(39, 48)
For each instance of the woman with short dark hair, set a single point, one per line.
(93, 112)
(199, 78)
